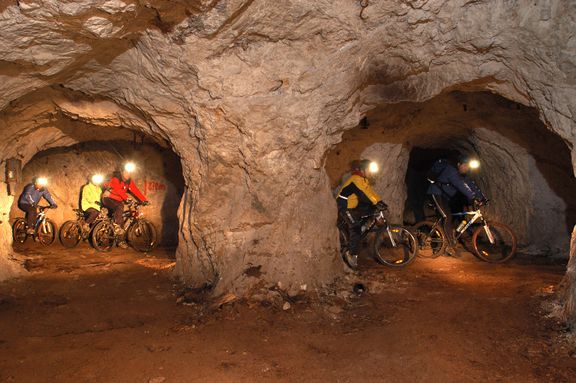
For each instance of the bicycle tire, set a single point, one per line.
(431, 239)
(46, 232)
(70, 234)
(400, 255)
(103, 237)
(142, 236)
(504, 247)
(19, 228)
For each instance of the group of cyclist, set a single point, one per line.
(450, 189)
(95, 194)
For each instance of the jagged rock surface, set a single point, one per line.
(252, 93)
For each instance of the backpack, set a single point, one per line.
(435, 170)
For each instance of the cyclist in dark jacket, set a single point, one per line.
(30, 197)
(450, 182)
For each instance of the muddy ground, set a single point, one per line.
(83, 316)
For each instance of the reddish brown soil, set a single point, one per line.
(82, 316)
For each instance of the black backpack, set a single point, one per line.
(435, 170)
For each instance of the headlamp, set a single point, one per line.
(474, 164)
(130, 167)
(97, 179)
(373, 167)
(42, 181)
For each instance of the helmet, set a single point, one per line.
(360, 165)
(462, 159)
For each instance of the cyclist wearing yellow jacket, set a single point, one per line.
(356, 198)
(90, 203)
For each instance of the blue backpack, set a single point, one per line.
(435, 170)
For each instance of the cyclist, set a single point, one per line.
(90, 202)
(29, 199)
(119, 186)
(449, 182)
(355, 199)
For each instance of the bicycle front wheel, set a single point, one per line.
(431, 239)
(494, 242)
(103, 236)
(395, 246)
(19, 230)
(46, 232)
(70, 234)
(142, 236)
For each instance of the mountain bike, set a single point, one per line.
(492, 241)
(391, 245)
(140, 233)
(44, 228)
(73, 231)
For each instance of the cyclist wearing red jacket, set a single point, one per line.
(119, 186)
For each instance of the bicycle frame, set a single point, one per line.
(476, 215)
(41, 221)
(373, 226)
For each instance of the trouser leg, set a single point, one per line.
(355, 230)
(116, 207)
(31, 213)
(90, 215)
(443, 205)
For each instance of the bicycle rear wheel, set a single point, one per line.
(19, 230)
(431, 239)
(494, 242)
(70, 234)
(103, 236)
(142, 236)
(396, 247)
(46, 232)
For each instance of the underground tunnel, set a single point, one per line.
(525, 169)
(243, 117)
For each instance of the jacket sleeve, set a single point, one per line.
(137, 193)
(458, 182)
(46, 194)
(365, 188)
(475, 188)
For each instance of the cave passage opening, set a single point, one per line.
(526, 169)
(66, 136)
(158, 176)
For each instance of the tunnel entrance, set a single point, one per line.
(158, 176)
(526, 169)
(415, 208)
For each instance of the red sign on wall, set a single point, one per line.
(153, 186)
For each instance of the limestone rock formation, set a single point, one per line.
(252, 94)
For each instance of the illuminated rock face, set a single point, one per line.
(252, 94)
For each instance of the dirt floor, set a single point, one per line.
(83, 316)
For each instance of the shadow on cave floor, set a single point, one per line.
(115, 318)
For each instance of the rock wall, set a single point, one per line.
(158, 176)
(251, 94)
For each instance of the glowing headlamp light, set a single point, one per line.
(130, 167)
(97, 179)
(474, 164)
(373, 167)
(42, 181)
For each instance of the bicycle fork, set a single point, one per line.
(392, 241)
(489, 233)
